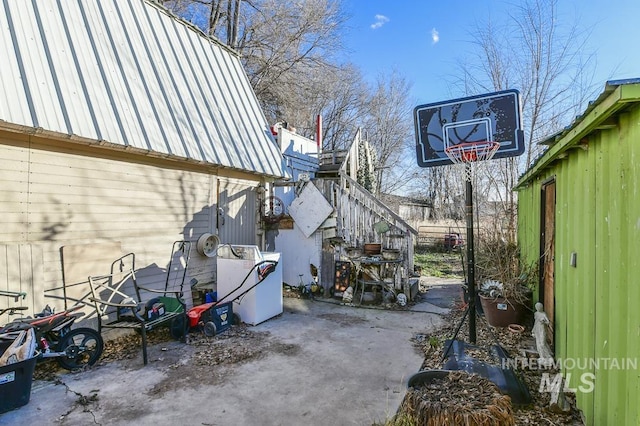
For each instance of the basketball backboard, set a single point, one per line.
(492, 117)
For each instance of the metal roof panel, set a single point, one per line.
(130, 73)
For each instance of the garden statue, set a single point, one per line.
(540, 333)
(347, 296)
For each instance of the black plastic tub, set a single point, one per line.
(15, 384)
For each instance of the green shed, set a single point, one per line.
(579, 213)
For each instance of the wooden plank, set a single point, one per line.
(60, 215)
(101, 224)
(549, 254)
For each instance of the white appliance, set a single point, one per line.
(264, 300)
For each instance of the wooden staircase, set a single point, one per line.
(330, 164)
(357, 217)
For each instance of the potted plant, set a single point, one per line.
(505, 284)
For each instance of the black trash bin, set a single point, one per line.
(15, 384)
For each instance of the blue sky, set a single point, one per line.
(424, 39)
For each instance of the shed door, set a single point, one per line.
(548, 252)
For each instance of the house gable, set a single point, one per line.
(128, 74)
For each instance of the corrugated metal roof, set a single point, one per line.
(129, 73)
(553, 140)
(609, 87)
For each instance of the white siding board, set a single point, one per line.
(92, 179)
(11, 205)
(104, 197)
(13, 171)
(13, 235)
(21, 270)
(102, 169)
(108, 213)
(14, 194)
(182, 208)
(13, 219)
(16, 152)
(105, 217)
(17, 193)
(37, 276)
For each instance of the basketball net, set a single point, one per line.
(471, 155)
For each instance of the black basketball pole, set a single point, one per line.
(470, 257)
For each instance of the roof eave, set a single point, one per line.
(597, 117)
(80, 140)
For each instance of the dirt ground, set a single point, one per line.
(317, 363)
(208, 365)
(477, 394)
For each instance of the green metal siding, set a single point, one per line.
(598, 301)
(575, 293)
(617, 238)
(529, 224)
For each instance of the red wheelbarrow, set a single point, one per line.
(215, 317)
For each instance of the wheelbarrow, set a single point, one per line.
(215, 317)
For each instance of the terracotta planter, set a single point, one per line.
(501, 312)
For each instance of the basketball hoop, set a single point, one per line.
(471, 152)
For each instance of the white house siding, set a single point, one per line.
(21, 270)
(53, 197)
(122, 129)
